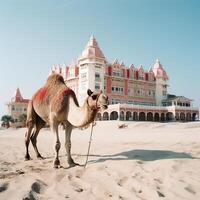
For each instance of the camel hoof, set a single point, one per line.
(73, 164)
(56, 164)
(40, 157)
(27, 157)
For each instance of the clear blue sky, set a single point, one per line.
(36, 34)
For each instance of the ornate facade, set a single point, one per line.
(17, 106)
(134, 93)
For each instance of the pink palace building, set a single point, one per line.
(135, 94)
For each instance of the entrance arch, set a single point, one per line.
(98, 117)
(141, 116)
(156, 117)
(194, 116)
(135, 116)
(169, 116)
(182, 117)
(128, 116)
(162, 117)
(149, 116)
(105, 116)
(113, 115)
(188, 117)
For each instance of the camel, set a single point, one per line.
(55, 104)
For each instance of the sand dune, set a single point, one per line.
(144, 161)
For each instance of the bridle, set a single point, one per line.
(96, 107)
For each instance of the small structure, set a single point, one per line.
(17, 106)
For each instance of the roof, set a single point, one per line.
(92, 50)
(159, 71)
(17, 97)
(171, 97)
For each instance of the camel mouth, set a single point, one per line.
(104, 107)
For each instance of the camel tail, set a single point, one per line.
(31, 114)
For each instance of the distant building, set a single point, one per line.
(17, 106)
(135, 93)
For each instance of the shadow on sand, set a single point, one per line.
(143, 155)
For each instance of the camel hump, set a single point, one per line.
(55, 79)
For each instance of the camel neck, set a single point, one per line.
(79, 116)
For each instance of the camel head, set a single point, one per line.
(97, 101)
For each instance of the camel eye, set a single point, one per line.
(94, 97)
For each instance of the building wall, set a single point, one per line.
(15, 109)
(126, 85)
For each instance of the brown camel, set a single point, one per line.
(56, 104)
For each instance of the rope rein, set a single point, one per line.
(90, 141)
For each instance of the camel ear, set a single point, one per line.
(89, 92)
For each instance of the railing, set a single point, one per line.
(152, 107)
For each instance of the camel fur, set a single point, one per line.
(55, 104)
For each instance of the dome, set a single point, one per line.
(159, 71)
(92, 50)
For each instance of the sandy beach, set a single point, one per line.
(144, 161)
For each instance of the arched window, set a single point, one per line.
(113, 115)
(149, 116)
(105, 116)
(128, 116)
(141, 116)
(156, 117)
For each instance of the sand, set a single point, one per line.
(145, 161)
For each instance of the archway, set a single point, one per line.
(128, 116)
(122, 115)
(113, 115)
(105, 116)
(135, 116)
(169, 116)
(194, 116)
(162, 117)
(98, 117)
(177, 117)
(141, 116)
(182, 117)
(149, 116)
(156, 117)
(188, 117)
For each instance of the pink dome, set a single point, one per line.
(158, 71)
(92, 50)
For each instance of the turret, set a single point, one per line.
(17, 97)
(91, 69)
(161, 82)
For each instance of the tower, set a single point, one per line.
(161, 82)
(91, 69)
(17, 97)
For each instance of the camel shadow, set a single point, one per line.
(143, 155)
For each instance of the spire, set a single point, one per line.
(131, 66)
(150, 69)
(157, 64)
(159, 71)
(17, 96)
(92, 50)
(141, 67)
(122, 63)
(115, 61)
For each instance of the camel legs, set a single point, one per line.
(68, 130)
(27, 139)
(54, 127)
(40, 124)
